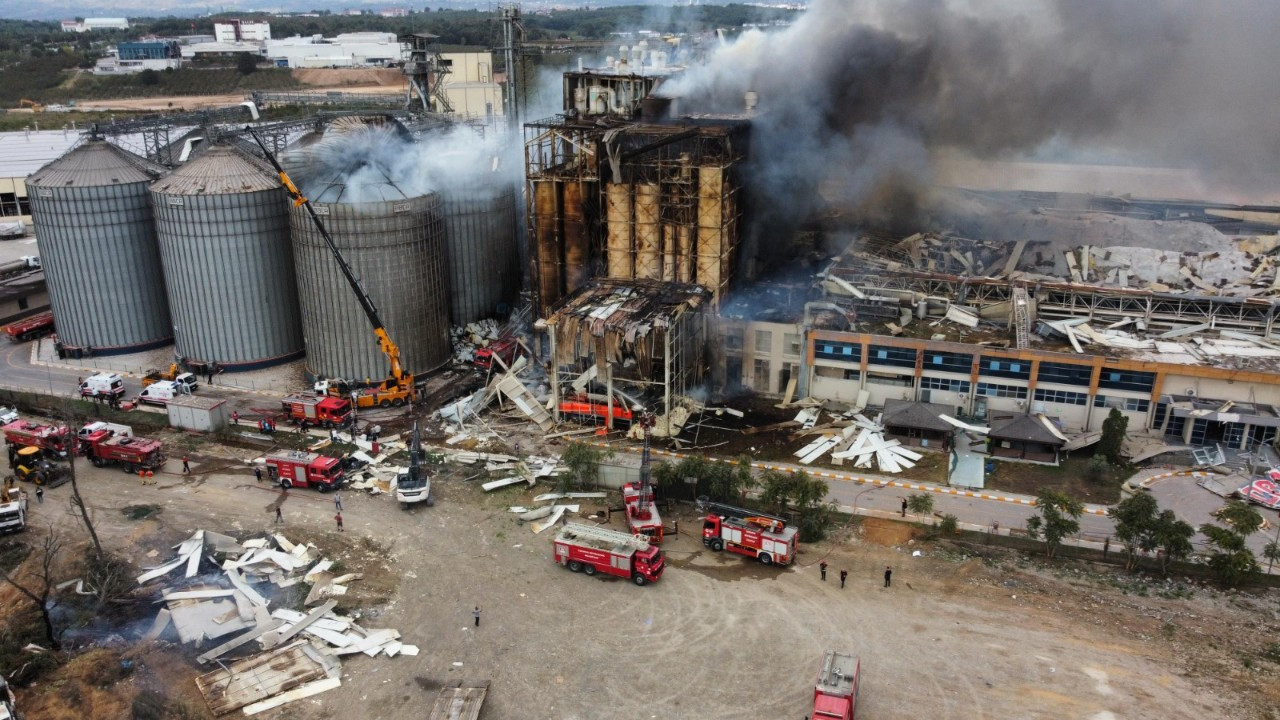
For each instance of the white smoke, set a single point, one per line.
(376, 163)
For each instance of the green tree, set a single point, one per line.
(246, 63)
(1272, 553)
(1241, 517)
(920, 504)
(1135, 519)
(1173, 538)
(149, 77)
(1231, 560)
(1114, 429)
(583, 461)
(1059, 516)
(775, 489)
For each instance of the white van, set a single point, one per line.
(160, 393)
(102, 385)
(116, 429)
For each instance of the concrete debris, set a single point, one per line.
(471, 337)
(862, 442)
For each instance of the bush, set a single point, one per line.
(149, 77)
(949, 525)
(1096, 470)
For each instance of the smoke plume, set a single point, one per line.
(359, 163)
(864, 95)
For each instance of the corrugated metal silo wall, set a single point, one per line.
(484, 260)
(228, 267)
(98, 247)
(397, 249)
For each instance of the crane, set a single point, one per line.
(413, 485)
(642, 517)
(398, 387)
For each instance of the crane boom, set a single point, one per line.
(385, 344)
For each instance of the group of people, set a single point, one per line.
(844, 574)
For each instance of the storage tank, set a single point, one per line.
(223, 225)
(360, 176)
(484, 260)
(92, 214)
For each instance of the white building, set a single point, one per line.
(359, 49)
(469, 86)
(221, 48)
(95, 24)
(238, 31)
(112, 65)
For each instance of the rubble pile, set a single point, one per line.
(549, 515)
(856, 438)
(471, 337)
(297, 654)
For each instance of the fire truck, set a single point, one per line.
(590, 549)
(322, 410)
(104, 447)
(747, 532)
(835, 695)
(506, 349)
(637, 497)
(30, 328)
(24, 433)
(294, 468)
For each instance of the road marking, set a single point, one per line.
(862, 480)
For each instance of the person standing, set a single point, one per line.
(888, 575)
(476, 614)
(186, 465)
(235, 417)
(257, 474)
(337, 502)
(904, 507)
(39, 494)
(338, 518)
(822, 568)
(279, 515)
(844, 575)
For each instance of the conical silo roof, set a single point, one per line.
(95, 163)
(355, 163)
(219, 170)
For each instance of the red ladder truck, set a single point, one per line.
(590, 549)
(24, 433)
(637, 497)
(294, 468)
(835, 695)
(747, 532)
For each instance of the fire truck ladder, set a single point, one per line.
(774, 522)
(572, 530)
(646, 491)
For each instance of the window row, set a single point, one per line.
(1062, 397)
(935, 383)
(1002, 391)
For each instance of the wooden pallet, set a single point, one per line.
(459, 703)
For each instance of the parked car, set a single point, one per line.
(8, 415)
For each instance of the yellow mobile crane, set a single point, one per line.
(397, 389)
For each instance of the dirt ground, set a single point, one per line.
(960, 634)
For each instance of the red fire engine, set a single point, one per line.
(24, 433)
(506, 349)
(637, 497)
(322, 410)
(30, 328)
(835, 695)
(595, 408)
(590, 549)
(293, 468)
(747, 532)
(104, 447)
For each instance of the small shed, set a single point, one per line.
(1025, 437)
(193, 412)
(917, 423)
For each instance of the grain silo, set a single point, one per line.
(223, 224)
(93, 221)
(484, 260)
(392, 237)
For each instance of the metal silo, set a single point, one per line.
(397, 249)
(93, 221)
(223, 226)
(484, 260)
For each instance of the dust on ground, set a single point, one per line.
(965, 630)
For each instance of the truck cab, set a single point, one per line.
(321, 410)
(102, 385)
(292, 468)
(160, 393)
(835, 695)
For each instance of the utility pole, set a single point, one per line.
(512, 41)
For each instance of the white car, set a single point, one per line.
(8, 415)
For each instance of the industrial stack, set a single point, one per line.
(394, 242)
(92, 214)
(223, 225)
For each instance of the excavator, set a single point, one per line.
(35, 106)
(414, 484)
(398, 388)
